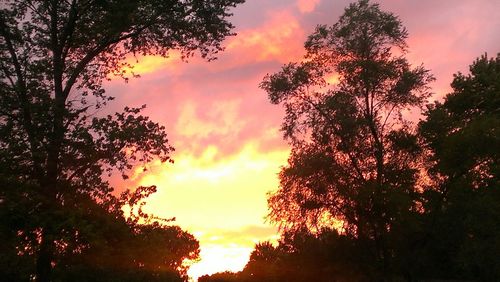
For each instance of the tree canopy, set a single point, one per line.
(354, 155)
(453, 236)
(55, 144)
(461, 137)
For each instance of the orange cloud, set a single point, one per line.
(278, 38)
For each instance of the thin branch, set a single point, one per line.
(21, 91)
(387, 117)
(331, 122)
(69, 29)
(106, 43)
(8, 75)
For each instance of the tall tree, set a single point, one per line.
(461, 135)
(54, 56)
(354, 155)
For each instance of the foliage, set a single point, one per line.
(454, 234)
(462, 137)
(354, 156)
(56, 147)
(220, 277)
(299, 256)
(148, 253)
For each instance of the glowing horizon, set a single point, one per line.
(226, 245)
(229, 149)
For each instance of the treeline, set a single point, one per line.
(368, 193)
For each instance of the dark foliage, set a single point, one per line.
(59, 218)
(462, 135)
(220, 277)
(355, 158)
(412, 203)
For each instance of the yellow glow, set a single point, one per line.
(220, 258)
(332, 79)
(211, 188)
(227, 252)
(218, 198)
(149, 64)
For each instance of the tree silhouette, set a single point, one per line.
(303, 256)
(462, 137)
(220, 277)
(455, 232)
(354, 156)
(54, 56)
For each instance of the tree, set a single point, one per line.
(220, 277)
(54, 56)
(354, 156)
(300, 256)
(265, 264)
(110, 247)
(461, 135)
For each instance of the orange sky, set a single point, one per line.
(226, 134)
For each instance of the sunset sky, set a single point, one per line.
(228, 145)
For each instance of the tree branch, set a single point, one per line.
(21, 91)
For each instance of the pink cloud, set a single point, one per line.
(307, 6)
(214, 112)
(219, 103)
(276, 39)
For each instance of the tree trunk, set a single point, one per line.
(50, 186)
(44, 258)
(379, 197)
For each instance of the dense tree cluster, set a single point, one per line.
(60, 220)
(454, 235)
(368, 195)
(461, 207)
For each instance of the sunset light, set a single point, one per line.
(141, 65)
(228, 211)
(219, 257)
(229, 148)
(290, 140)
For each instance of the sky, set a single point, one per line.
(229, 148)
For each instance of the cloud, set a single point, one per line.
(276, 39)
(219, 118)
(224, 250)
(307, 6)
(245, 236)
(147, 64)
(229, 147)
(210, 189)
